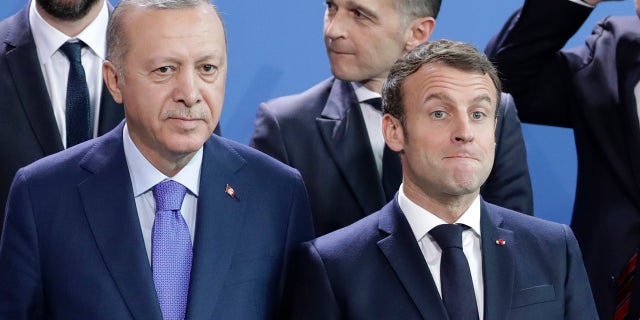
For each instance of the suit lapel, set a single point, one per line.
(345, 135)
(497, 264)
(403, 254)
(111, 113)
(110, 209)
(25, 69)
(219, 220)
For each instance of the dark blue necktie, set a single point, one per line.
(455, 277)
(391, 165)
(171, 250)
(77, 108)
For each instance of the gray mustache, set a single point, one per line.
(192, 114)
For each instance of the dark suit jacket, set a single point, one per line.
(374, 269)
(28, 129)
(589, 89)
(73, 248)
(322, 133)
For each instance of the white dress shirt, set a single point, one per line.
(55, 65)
(422, 221)
(144, 176)
(373, 122)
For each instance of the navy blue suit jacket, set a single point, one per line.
(72, 247)
(28, 129)
(321, 132)
(374, 269)
(589, 89)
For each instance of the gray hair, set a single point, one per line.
(413, 9)
(117, 42)
(458, 55)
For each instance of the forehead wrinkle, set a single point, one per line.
(438, 96)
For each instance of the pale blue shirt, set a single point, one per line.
(144, 176)
(422, 221)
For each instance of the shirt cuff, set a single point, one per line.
(583, 3)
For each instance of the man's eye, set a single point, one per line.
(477, 115)
(164, 69)
(209, 68)
(438, 114)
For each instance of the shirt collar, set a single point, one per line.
(49, 39)
(422, 221)
(144, 175)
(362, 93)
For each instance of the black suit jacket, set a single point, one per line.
(322, 133)
(589, 89)
(28, 129)
(374, 269)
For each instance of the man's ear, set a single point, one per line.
(419, 32)
(112, 79)
(393, 133)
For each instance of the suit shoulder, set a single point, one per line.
(309, 102)
(257, 159)
(351, 240)
(526, 224)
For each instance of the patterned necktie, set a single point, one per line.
(77, 113)
(391, 165)
(624, 288)
(455, 276)
(171, 251)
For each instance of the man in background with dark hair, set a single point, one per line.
(331, 133)
(39, 115)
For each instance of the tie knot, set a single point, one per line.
(169, 195)
(448, 235)
(375, 102)
(72, 50)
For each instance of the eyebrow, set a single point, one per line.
(446, 98)
(356, 6)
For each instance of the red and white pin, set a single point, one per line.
(229, 191)
(501, 242)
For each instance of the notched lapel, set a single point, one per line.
(402, 251)
(344, 133)
(110, 209)
(24, 67)
(498, 249)
(220, 219)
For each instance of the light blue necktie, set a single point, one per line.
(171, 250)
(77, 108)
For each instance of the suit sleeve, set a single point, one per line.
(509, 184)
(267, 134)
(579, 303)
(21, 292)
(300, 226)
(308, 292)
(527, 53)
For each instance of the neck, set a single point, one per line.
(447, 207)
(71, 28)
(374, 85)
